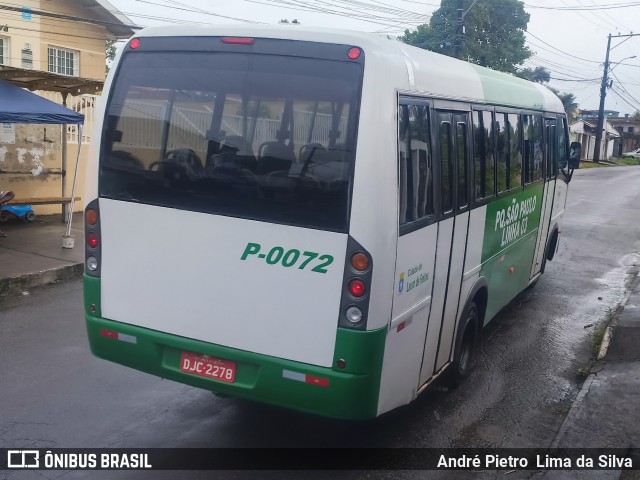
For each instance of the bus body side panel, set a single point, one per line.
(451, 312)
(511, 231)
(545, 231)
(473, 259)
(374, 214)
(412, 303)
(440, 274)
(229, 260)
(559, 203)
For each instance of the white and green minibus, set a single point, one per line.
(313, 219)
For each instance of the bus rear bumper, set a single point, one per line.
(349, 393)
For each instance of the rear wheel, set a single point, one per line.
(30, 216)
(466, 340)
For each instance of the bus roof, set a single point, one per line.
(428, 73)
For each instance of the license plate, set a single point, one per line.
(209, 367)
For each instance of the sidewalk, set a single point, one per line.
(606, 411)
(32, 255)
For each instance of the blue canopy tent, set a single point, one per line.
(20, 106)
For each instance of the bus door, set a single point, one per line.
(450, 131)
(547, 197)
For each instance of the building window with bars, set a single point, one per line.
(4, 51)
(26, 57)
(63, 61)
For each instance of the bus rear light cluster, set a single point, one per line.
(92, 245)
(354, 304)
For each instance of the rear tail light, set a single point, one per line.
(92, 245)
(357, 288)
(358, 270)
(92, 240)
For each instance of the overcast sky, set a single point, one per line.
(568, 37)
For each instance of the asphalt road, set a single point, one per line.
(53, 393)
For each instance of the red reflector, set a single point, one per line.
(135, 43)
(238, 40)
(109, 333)
(321, 382)
(92, 217)
(92, 240)
(357, 288)
(354, 52)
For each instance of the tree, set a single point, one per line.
(110, 54)
(636, 114)
(569, 102)
(494, 33)
(538, 75)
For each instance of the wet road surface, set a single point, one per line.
(53, 393)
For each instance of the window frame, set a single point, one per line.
(480, 108)
(5, 51)
(75, 57)
(408, 227)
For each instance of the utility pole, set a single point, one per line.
(603, 93)
(459, 43)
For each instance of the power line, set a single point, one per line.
(561, 51)
(625, 100)
(586, 8)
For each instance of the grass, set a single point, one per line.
(627, 161)
(584, 164)
(614, 162)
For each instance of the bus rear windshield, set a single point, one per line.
(261, 137)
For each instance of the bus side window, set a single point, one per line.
(414, 164)
(483, 149)
(461, 149)
(537, 155)
(502, 148)
(515, 151)
(446, 172)
(562, 145)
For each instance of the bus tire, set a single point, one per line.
(465, 349)
(553, 244)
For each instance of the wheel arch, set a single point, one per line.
(479, 294)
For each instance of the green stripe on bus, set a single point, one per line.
(352, 392)
(501, 89)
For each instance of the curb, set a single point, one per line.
(12, 285)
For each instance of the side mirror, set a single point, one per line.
(574, 155)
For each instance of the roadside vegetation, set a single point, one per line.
(627, 161)
(614, 162)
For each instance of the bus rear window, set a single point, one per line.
(261, 137)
